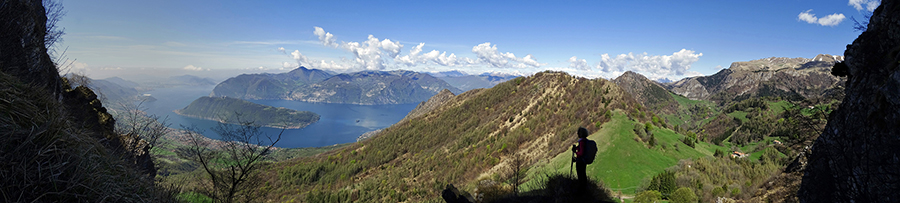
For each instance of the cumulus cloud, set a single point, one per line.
(194, 68)
(288, 66)
(578, 64)
(281, 49)
(326, 38)
(829, 20)
(653, 66)
(378, 54)
(319, 64)
(416, 57)
(869, 5)
(489, 54)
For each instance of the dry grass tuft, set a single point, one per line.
(45, 158)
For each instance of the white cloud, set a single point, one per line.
(281, 49)
(288, 66)
(579, 64)
(806, 17)
(829, 20)
(320, 64)
(378, 54)
(870, 5)
(326, 38)
(393, 48)
(489, 54)
(296, 55)
(654, 67)
(416, 57)
(194, 68)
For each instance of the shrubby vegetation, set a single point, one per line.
(456, 143)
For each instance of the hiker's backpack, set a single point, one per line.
(590, 151)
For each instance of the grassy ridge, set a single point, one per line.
(471, 137)
(622, 163)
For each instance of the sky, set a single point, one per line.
(659, 39)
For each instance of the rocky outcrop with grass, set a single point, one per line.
(856, 158)
(57, 143)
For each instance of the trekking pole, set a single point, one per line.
(571, 165)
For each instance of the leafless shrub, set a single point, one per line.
(232, 168)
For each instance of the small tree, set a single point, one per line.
(232, 166)
(516, 172)
(649, 196)
(140, 128)
(683, 195)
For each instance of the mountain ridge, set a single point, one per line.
(313, 85)
(775, 76)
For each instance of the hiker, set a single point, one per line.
(583, 154)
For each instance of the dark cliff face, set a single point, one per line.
(856, 158)
(23, 54)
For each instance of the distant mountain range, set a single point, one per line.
(796, 78)
(312, 85)
(466, 82)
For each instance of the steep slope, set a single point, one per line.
(647, 92)
(232, 110)
(266, 85)
(798, 78)
(434, 102)
(57, 143)
(856, 158)
(472, 135)
(372, 87)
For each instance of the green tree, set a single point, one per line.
(664, 183)
(683, 195)
(648, 196)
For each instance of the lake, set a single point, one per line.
(339, 123)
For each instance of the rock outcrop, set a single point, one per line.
(23, 55)
(856, 158)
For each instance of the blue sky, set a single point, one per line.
(660, 39)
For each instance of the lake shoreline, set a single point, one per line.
(178, 111)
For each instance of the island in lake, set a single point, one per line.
(226, 110)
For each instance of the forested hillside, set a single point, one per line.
(231, 110)
(473, 135)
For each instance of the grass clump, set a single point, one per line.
(44, 157)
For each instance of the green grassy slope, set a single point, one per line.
(622, 162)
